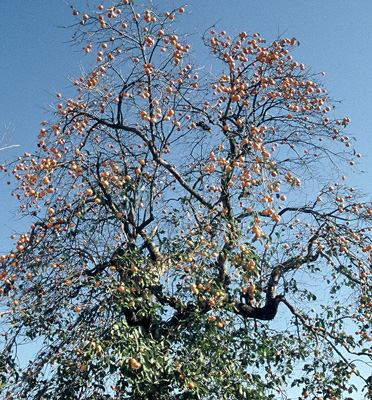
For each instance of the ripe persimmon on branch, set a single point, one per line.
(193, 235)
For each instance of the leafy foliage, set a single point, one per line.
(193, 236)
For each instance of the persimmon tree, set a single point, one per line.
(193, 235)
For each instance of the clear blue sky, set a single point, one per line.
(37, 56)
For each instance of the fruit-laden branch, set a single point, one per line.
(327, 336)
(196, 195)
(272, 300)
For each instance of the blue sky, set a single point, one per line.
(37, 56)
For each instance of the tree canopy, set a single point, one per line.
(193, 235)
